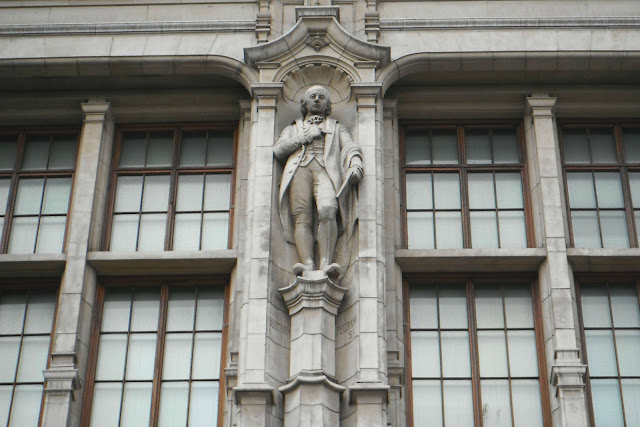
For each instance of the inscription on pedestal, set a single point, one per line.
(279, 327)
(346, 330)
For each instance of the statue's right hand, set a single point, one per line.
(315, 132)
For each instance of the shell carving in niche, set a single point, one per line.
(335, 80)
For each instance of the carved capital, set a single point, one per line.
(376, 393)
(254, 394)
(541, 106)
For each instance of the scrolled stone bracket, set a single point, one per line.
(313, 290)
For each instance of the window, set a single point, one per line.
(464, 188)
(611, 344)
(26, 321)
(36, 172)
(156, 356)
(172, 190)
(488, 368)
(602, 172)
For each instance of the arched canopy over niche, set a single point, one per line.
(318, 41)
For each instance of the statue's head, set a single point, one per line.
(316, 100)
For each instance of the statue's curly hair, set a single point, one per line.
(303, 104)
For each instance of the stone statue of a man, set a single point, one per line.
(322, 162)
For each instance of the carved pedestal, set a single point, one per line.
(312, 396)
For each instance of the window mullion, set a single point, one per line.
(615, 349)
(157, 373)
(474, 359)
(173, 188)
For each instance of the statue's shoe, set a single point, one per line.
(331, 269)
(299, 268)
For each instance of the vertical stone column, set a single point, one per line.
(369, 395)
(393, 273)
(237, 276)
(255, 395)
(561, 333)
(69, 354)
(312, 396)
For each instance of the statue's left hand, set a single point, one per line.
(355, 174)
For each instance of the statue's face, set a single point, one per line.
(316, 100)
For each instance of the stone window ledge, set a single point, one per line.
(604, 260)
(170, 262)
(469, 260)
(32, 265)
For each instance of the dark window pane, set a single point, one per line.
(603, 148)
(63, 152)
(444, 144)
(4, 194)
(478, 145)
(134, 146)
(193, 148)
(220, 149)
(505, 146)
(417, 151)
(36, 153)
(8, 147)
(631, 138)
(576, 146)
(160, 150)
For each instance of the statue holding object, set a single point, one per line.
(322, 162)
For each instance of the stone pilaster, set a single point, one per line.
(69, 353)
(369, 282)
(393, 273)
(372, 21)
(561, 333)
(312, 396)
(255, 395)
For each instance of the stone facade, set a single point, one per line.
(100, 65)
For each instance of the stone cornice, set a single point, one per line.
(219, 26)
(405, 24)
